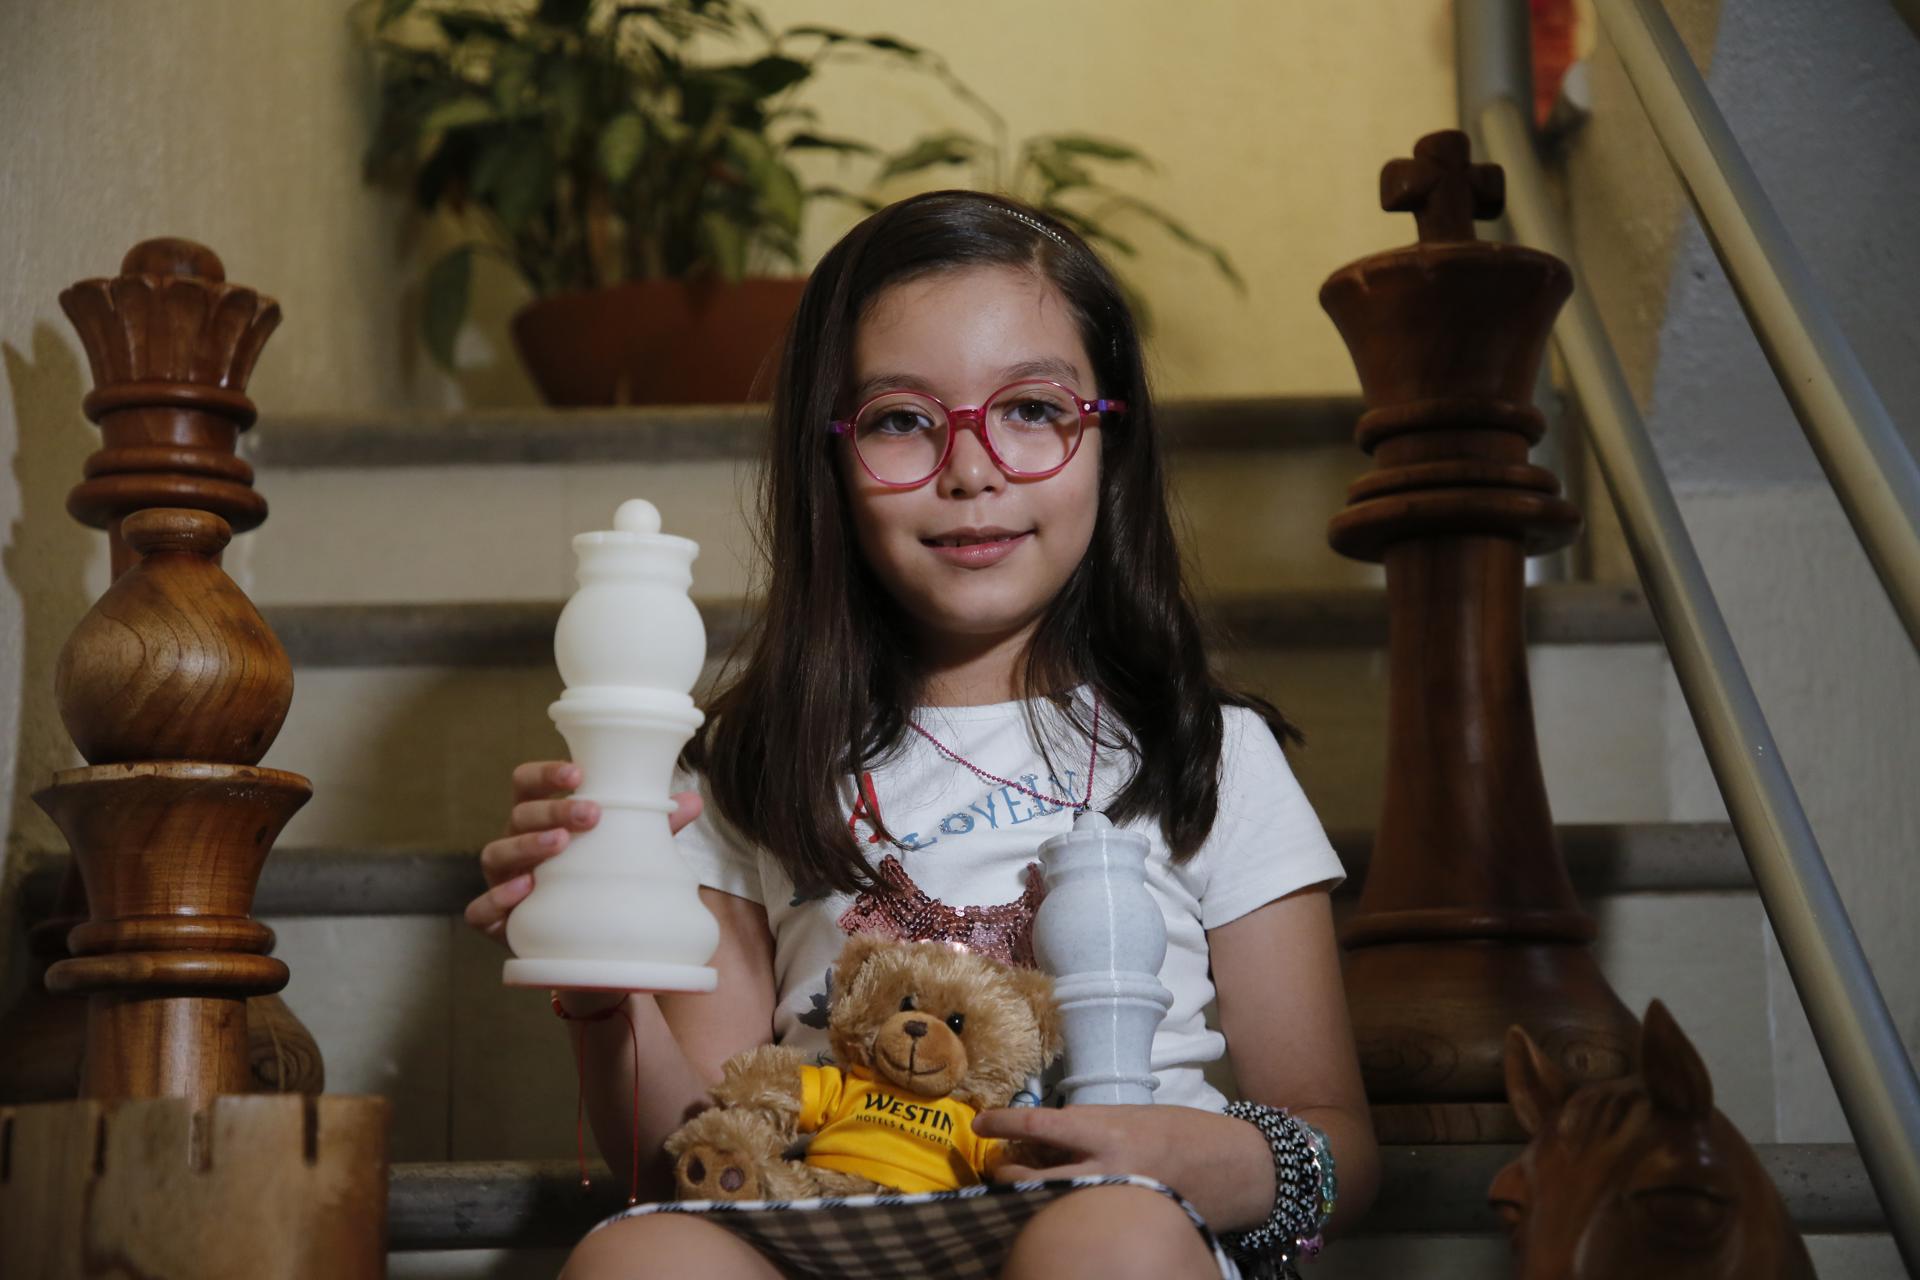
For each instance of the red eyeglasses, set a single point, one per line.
(1031, 429)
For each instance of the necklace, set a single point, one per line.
(1092, 760)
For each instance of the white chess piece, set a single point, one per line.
(1102, 937)
(618, 908)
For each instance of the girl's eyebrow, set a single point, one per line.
(1046, 367)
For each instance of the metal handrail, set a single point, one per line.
(1856, 1035)
(1865, 458)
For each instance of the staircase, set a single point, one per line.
(413, 568)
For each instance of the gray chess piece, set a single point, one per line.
(1100, 934)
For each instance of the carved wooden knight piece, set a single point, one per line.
(1639, 1176)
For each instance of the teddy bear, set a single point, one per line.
(924, 1036)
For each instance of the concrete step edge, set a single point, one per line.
(1604, 859)
(691, 433)
(520, 634)
(1426, 1190)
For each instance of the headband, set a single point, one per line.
(1037, 225)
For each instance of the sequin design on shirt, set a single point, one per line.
(902, 910)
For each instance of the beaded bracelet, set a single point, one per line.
(1304, 1188)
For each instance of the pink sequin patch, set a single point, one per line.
(905, 911)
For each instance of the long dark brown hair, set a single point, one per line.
(830, 680)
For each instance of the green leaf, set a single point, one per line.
(935, 149)
(389, 10)
(464, 26)
(564, 13)
(520, 182)
(777, 190)
(761, 78)
(1058, 172)
(468, 110)
(828, 192)
(727, 244)
(833, 35)
(1080, 144)
(620, 146)
(449, 282)
(823, 142)
(513, 70)
(1179, 232)
(782, 197)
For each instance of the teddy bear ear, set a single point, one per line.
(1037, 989)
(860, 948)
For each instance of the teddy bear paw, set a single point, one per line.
(706, 1172)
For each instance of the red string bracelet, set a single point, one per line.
(580, 1092)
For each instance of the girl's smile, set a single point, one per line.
(976, 548)
(974, 556)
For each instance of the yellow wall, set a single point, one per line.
(1269, 123)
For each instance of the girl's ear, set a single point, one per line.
(1535, 1086)
(1036, 988)
(860, 948)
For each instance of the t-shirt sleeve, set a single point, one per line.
(715, 852)
(1266, 840)
(820, 1089)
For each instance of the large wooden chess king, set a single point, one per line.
(1467, 923)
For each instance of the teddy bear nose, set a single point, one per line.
(916, 1028)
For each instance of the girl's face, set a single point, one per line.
(959, 336)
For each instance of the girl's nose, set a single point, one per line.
(970, 468)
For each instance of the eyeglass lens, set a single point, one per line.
(902, 436)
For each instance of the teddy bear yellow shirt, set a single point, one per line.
(912, 1144)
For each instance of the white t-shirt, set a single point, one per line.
(969, 843)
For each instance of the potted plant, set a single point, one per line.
(643, 193)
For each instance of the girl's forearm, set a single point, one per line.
(1356, 1161)
(1236, 1188)
(671, 1088)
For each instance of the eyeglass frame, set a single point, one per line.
(962, 417)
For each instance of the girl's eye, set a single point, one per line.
(895, 422)
(956, 1021)
(906, 1005)
(1034, 413)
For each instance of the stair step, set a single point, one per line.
(1438, 1189)
(515, 634)
(1604, 860)
(691, 433)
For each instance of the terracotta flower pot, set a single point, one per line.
(658, 341)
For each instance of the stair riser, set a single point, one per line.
(421, 755)
(417, 535)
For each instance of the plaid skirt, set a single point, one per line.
(938, 1235)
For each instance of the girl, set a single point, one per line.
(976, 626)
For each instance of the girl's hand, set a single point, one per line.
(540, 824)
(1220, 1164)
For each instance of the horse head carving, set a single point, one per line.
(1639, 1176)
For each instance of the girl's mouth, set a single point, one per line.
(971, 549)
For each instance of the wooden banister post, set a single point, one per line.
(1467, 923)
